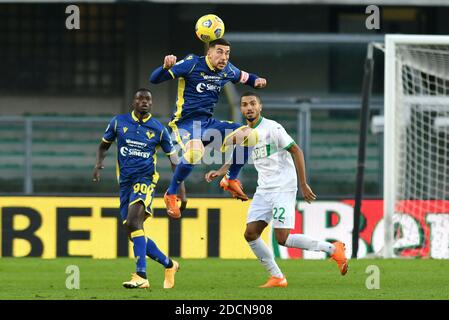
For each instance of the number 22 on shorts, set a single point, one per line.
(279, 211)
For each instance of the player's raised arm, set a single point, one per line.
(171, 68)
(260, 83)
(162, 73)
(169, 61)
(250, 79)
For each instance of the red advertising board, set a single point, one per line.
(421, 227)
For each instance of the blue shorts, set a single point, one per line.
(135, 190)
(208, 130)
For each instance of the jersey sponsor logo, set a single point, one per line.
(201, 87)
(125, 151)
(261, 152)
(136, 144)
(125, 129)
(211, 77)
(179, 62)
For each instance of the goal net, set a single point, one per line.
(416, 158)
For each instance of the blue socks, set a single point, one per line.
(240, 157)
(145, 246)
(182, 171)
(139, 241)
(154, 253)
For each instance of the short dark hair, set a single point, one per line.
(220, 41)
(250, 94)
(142, 90)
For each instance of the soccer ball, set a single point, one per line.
(209, 28)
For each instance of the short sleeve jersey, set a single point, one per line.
(137, 143)
(199, 86)
(274, 164)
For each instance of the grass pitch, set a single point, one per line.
(216, 279)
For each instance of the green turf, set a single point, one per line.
(205, 279)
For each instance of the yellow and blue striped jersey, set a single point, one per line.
(137, 143)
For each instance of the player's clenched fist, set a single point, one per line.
(260, 83)
(169, 61)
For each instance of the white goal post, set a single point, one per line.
(416, 146)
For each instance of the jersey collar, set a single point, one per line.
(258, 122)
(137, 119)
(209, 64)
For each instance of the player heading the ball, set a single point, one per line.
(200, 81)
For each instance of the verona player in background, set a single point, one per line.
(200, 81)
(279, 163)
(138, 135)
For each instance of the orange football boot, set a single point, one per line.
(275, 282)
(172, 205)
(340, 257)
(234, 187)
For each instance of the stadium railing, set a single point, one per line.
(55, 155)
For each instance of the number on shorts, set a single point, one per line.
(140, 187)
(281, 217)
